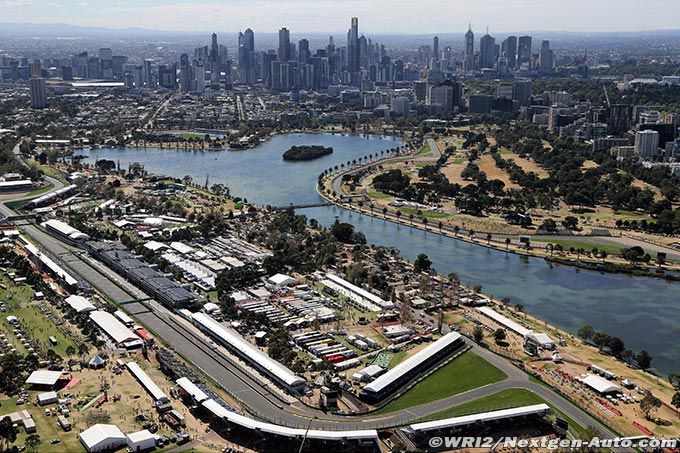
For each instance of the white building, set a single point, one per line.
(141, 440)
(101, 437)
(647, 144)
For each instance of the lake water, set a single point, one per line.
(644, 312)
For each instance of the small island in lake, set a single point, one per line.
(307, 152)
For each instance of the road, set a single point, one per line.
(262, 401)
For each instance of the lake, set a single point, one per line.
(644, 312)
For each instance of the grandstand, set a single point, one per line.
(415, 366)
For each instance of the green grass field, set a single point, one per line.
(504, 400)
(467, 372)
(425, 151)
(426, 214)
(377, 195)
(588, 246)
(21, 305)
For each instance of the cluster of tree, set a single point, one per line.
(281, 350)
(344, 232)
(391, 182)
(615, 346)
(306, 152)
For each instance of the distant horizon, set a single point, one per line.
(375, 17)
(477, 32)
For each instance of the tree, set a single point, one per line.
(675, 401)
(499, 335)
(585, 332)
(570, 222)
(33, 441)
(643, 360)
(674, 379)
(422, 263)
(8, 432)
(478, 334)
(548, 225)
(649, 403)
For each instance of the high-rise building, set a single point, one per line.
(647, 144)
(469, 53)
(303, 51)
(38, 93)
(545, 58)
(522, 92)
(524, 52)
(284, 45)
(469, 41)
(200, 77)
(353, 51)
(214, 50)
(487, 52)
(185, 78)
(435, 48)
(620, 116)
(510, 51)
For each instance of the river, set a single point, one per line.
(644, 312)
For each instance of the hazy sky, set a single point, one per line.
(375, 16)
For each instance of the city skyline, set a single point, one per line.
(305, 16)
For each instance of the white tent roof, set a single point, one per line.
(600, 384)
(249, 423)
(43, 377)
(281, 279)
(140, 437)
(483, 417)
(112, 326)
(505, 321)
(192, 389)
(100, 436)
(80, 304)
(412, 362)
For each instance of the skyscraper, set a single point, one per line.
(487, 51)
(620, 116)
(545, 58)
(284, 45)
(303, 51)
(435, 48)
(353, 50)
(469, 56)
(214, 49)
(510, 51)
(469, 41)
(38, 93)
(185, 78)
(524, 52)
(249, 40)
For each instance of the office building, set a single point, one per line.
(620, 116)
(509, 51)
(647, 144)
(284, 45)
(38, 93)
(469, 55)
(435, 48)
(545, 58)
(487, 52)
(524, 52)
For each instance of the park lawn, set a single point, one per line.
(32, 319)
(377, 195)
(190, 135)
(467, 372)
(426, 151)
(426, 214)
(397, 358)
(588, 246)
(504, 399)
